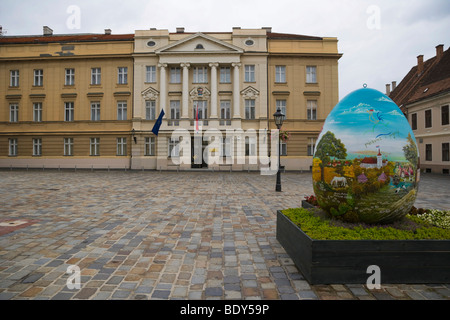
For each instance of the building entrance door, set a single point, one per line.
(197, 150)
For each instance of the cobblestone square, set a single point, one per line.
(166, 235)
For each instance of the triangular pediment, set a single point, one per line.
(199, 43)
(250, 92)
(150, 93)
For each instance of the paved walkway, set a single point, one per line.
(164, 235)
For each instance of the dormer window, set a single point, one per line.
(199, 46)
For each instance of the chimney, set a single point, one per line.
(439, 51)
(388, 89)
(107, 31)
(268, 29)
(420, 64)
(180, 30)
(47, 31)
(394, 85)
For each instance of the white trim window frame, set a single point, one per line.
(122, 75)
(121, 110)
(68, 146)
(149, 146)
(311, 74)
(69, 79)
(311, 109)
(69, 111)
(13, 112)
(200, 75)
(95, 111)
(121, 146)
(94, 147)
(150, 74)
(150, 109)
(12, 149)
(175, 75)
(14, 78)
(249, 73)
(38, 78)
(225, 75)
(280, 74)
(37, 111)
(96, 76)
(37, 147)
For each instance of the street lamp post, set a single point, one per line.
(278, 116)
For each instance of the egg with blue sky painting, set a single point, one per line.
(366, 161)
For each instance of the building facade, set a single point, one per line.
(66, 101)
(424, 97)
(92, 100)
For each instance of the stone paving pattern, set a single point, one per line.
(166, 235)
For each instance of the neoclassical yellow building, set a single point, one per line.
(66, 100)
(92, 100)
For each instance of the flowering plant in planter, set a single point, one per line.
(312, 200)
(283, 135)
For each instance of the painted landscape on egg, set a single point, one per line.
(365, 167)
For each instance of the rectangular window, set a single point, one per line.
(96, 76)
(14, 78)
(122, 110)
(121, 146)
(445, 151)
(311, 74)
(95, 111)
(174, 148)
(283, 146)
(414, 121)
(428, 152)
(202, 109)
(14, 112)
(70, 77)
(150, 109)
(68, 111)
(37, 147)
(226, 146)
(150, 74)
(175, 109)
(38, 78)
(280, 74)
(122, 75)
(37, 112)
(200, 75)
(225, 109)
(428, 121)
(249, 72)
(68, 146)
(281, 104)
(250, 109)
(311, 108)
(225, 75)
(444, 115)
(175, 75)
(149, 146)
(311, 146)
(95, 147)
(12, 147)
(250, 146)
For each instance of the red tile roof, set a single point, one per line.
(65, 38)
(433, 80)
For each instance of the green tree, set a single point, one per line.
(410, 151)
(329, 146)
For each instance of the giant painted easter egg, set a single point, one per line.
(366, 163)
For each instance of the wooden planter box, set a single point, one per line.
(346, 261)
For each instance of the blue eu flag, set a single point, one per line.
(158, 122)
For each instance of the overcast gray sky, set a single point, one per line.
(380, 39)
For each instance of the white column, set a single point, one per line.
(162, 87)
(213, 67)
(185, 95)
(236, 93)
